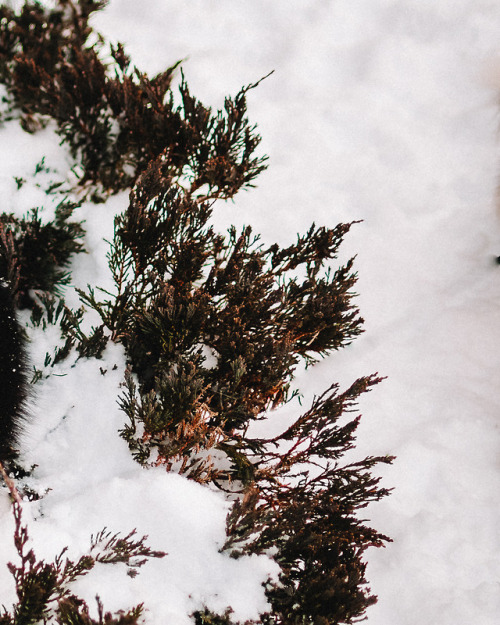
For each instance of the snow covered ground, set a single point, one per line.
(380, 110)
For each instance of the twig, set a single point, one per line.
(9, 482)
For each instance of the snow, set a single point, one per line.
(380, 110)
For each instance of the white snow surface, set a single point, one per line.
(384, 111)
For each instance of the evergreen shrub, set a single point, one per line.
(213, 324)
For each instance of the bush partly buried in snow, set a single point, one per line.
(213, 325)
(44, 588)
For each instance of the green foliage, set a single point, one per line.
(43, 588)
(116, 123)
(49, 310)
(35, 255)
(206, 617)
(183, 289)
(214, 325)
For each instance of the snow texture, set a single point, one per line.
(379, 110)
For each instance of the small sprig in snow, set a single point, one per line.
(44, 588)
